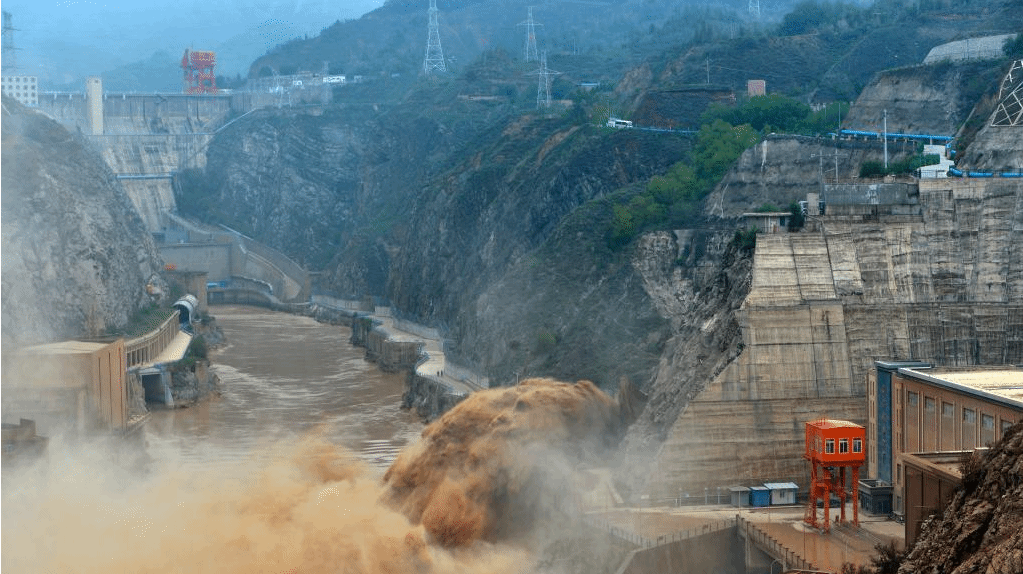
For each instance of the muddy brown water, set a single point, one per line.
(283, 376)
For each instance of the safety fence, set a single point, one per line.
(644, 542)
(771, 546)
(337, 304)
(144, 349)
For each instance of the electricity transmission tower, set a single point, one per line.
(434, 54)
(754, 8)
(9, 60)
(543, 87)
(531, 53)
(1009, 111)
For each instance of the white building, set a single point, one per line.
(25, 89)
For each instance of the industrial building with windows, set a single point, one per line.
(25, 89)
(921, 417)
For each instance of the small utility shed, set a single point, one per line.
(782, 492)
(759, 496)
(740, 496)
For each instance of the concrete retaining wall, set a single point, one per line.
(392, 355)
(715, 553)
(428, 396)
(871, 194)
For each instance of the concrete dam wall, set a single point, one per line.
(945, 287)
(144, 138)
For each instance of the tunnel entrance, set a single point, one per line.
(187, 307)
(155, 387)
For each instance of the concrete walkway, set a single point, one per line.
(174, 351)
(435, 362)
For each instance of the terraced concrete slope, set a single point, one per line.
(944, 286)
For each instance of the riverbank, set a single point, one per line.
(433, 384)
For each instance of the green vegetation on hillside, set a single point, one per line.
(1013, 47)
(673, 199)
(145, 320)
(877, 168)
(777, 113)
(812, 16)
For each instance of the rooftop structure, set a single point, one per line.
(998, 384)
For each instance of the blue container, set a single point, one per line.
(759, 496)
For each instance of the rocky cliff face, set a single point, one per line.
(76, 256)
(930, 99)
(476, 231)
(981, 529)
(444, 216)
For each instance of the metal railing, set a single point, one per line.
(771, 546)
(144, 349)
(644, 542)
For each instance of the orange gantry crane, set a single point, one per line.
(198, 68)
(832, 447)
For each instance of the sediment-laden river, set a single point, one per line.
(283, 376)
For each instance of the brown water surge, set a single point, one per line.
(281, 376)
(274, 490)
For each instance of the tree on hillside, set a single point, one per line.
(773, 111)
(718, 145)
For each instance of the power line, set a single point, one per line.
(543, 87)
(754, 8)
(10, 62)
(531, 53)
(434, 54)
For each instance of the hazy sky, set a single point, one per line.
(64, 39)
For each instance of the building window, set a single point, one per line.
(843, 446)
(987, 429)
(929, 404)
(829, 446)
(857, 445)
(947, 410)
(1006, 425)
(913, 399)
(969, 430)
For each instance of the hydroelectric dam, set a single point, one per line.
(147, 139)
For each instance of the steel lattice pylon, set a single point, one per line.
(434, 54)
(754, 8)
(9, 58)
(531, 52)
(543, 88)
(1009, 111)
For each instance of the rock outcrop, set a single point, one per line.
(931, 99)
(76, 256)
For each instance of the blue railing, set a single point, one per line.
(896, 135)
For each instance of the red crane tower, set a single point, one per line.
(832, 446)
(198, 67)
